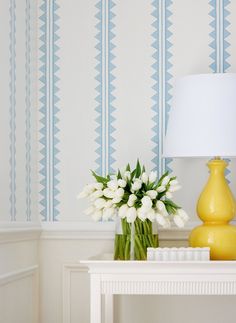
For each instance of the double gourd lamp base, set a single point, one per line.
(202, 123)
(216, 207)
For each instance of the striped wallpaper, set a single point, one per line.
(106, 69)
(18, 122)
(116, 65)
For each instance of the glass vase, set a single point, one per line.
(145, 236)
(132, 240)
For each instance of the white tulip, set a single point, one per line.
(151, 215)
(178, 221)
(174, 188)
(126, 175)
(165, 180)
(131, 215)
(108, 213)
(89, 210)
(137, 184)
(160, 205)
(123, 211)
(131, 200)
(108, 193)
(82, 195)
(97, 215)
(146, 202)
(167, 224)
(122, 183)
(113, 185)
(119, 192)
(98, 186)
(100, 203)
(116, 199)
(152, 177)
(183, 214)
(108, 204)
(169, 195)
(174, 182)
(161, 189)
(142, 214)
(152, 194)
(161, 208)
(95, 195)
(160, 219)
(144, 178)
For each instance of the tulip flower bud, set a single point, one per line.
(113, 185)
(152, 194)
(123, 211)
(165, 180)
(131, 215)
(144, 178)
(178, 221)
(161, 189)
(152, 177)
(122, 183)
(99, 203)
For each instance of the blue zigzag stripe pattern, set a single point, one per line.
(12, 88)
(27, 110)
(219, 43)
(105, 88)
(161, 77)
(49, 109)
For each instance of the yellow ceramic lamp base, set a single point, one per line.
(216, 207)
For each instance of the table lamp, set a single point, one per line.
(202, 123)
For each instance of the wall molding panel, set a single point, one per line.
(68, 269)
(19, 274)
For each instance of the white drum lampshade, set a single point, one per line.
(202, 121)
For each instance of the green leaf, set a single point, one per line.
(100, 179)
(162, 177)
(128, 168)
(143, 169)
(172, 204)
(119, 175)
(138, 169)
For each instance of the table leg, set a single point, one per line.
(95, 299)
(108, 308)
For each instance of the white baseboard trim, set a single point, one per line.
(18, 274)
(102, 231)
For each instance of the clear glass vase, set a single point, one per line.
(132, 240)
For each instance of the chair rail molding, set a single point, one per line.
(16, 232)
(82, 230)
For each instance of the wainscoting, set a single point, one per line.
(19, 274)
(64, 281)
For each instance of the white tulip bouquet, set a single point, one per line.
(138, 199)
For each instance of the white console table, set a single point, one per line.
(110, 277)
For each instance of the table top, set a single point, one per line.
(105, 264)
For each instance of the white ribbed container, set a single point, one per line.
(178, 254)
